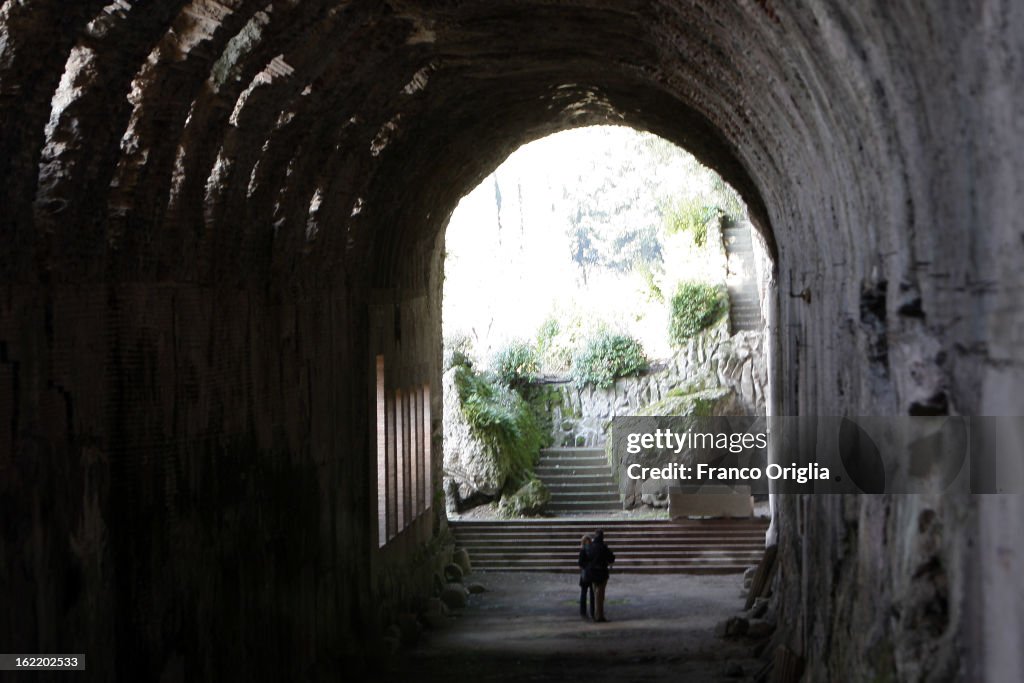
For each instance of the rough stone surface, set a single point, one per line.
(734, 670)
(711, 361)
(759, 628)
(474, 471)
(759, 608)
(733, 627)
(461, 558)
(217, 214)
(410, 628)
(453, 572)
(718, 401)
(529, 500)
(454, 595)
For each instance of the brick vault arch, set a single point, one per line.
(216, 214)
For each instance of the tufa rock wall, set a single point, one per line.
(204, 200)
(711, 360)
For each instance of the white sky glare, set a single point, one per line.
(508, 270)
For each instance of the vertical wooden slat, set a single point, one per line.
(428, 463)
(407, 447)
(392, 446)
(401, 469)
(382, 458)
(417, 422)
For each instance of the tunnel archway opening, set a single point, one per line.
(598, 272)
(407, 269)
(739, 547)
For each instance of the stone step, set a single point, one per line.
(540, 530)
(629, 549)
(583, 497)
(572, 462)
(688, 525)
(617, 523)
(604, 485)
(571, 451)
(570, 478)
(635, 539)
(571, 561)
(703, 570)
(576, 507)
(604, 469)
(641, 546)
(573, 488)
(477, 558)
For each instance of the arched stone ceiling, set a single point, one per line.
(190, 139)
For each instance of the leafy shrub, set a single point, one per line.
(653, 289)
(457, 351)
(558, 338)
(500, 418)
(606, 357)
(547, 341)
(695, 307)
(547, 331)
(727, 199)
(516, 364)
(541, 399)
(691, 215)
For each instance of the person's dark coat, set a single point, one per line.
(584, 565)
(600, 557)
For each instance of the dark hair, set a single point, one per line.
(599, 535)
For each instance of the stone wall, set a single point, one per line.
(580, 415)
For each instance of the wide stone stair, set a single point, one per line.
(579, 479)
(718, 546)
(744, 304)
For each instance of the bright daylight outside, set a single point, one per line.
(598, 272)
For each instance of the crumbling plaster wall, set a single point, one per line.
(197, 224)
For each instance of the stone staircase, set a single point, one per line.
(579, 479)
(719, 546)
(744, 304)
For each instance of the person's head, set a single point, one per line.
(599, 535)
(585, 541)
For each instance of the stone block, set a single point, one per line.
(733, 627)
(454, 595)
(759, 628)
(461, 558)
(710, 501)
(453, 573)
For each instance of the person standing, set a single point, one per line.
(601, 559)
(586, 585)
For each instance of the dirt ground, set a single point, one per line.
(526, 627)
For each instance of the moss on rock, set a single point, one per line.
(529, 500)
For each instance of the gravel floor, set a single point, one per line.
(526, 627)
